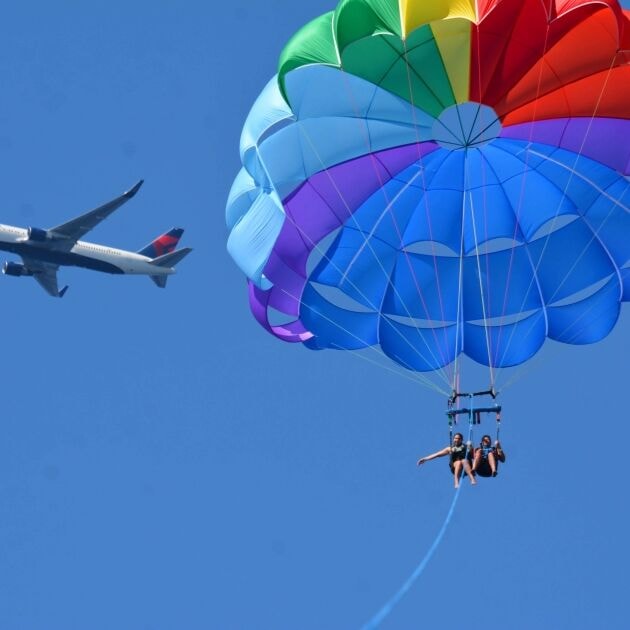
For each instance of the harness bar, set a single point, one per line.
(488, 392)
(473, 413)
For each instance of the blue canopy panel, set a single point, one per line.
(335, 327)
(505, 345)
(588, 320)
(386, 213)
(569, 261)
(424, 287)
(358, 265)
(335, 117)
(600, 194)
(609, 218)
(499, 285)
(417, 348)
(253, 236)
(625, 280)
(319, 91)
(486, 188)
(532, 198)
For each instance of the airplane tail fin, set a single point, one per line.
(163, 244)
(168, 260)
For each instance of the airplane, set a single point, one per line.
(44, 251)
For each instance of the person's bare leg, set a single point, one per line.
(493, 464)
(468, 470)
(457, 472)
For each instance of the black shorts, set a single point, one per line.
(484, 470)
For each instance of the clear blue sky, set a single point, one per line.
(166, 464)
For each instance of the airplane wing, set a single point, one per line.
(46, 274)
(74, 229)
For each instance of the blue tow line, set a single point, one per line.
(417, 572)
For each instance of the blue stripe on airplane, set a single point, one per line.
(59, 258)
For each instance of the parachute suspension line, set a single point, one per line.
(572, 324)
(440, 370)
(519, 207)
(519, 374)
(491, 359)
(459, 326)
(418, 379)
(498, 421)
(425, 195)
(572, 173)
(435, 360)
(481, 292)
(602, 192)
(389, 606)
(423, 380)
(331, 262)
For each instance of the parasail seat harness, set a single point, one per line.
(471, 412)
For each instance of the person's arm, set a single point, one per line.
(444, 451)
(499, 451)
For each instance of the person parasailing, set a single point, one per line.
(460, 458)
(487, 457)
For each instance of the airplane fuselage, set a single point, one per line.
(81, 254)
(43, 251)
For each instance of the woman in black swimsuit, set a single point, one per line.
(487, 457)
(459, 460)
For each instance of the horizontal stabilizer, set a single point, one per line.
(171, 259)
(159, 280)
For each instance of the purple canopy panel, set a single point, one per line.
(322, 204)
(606, 140)
(258, 302)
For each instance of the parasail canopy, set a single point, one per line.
(437, 177)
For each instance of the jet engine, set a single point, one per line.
(37, 234)
(15, 269)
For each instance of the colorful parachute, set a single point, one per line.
(441, 176)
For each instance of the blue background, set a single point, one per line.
(166, 464)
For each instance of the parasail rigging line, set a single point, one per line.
(316, 247)
(573, 173)
(442, 347)
(419, 378)
(614, 202)
(483, 301)
(519, 207)
(360, 292)
(425, 196)
(460, 284)
(374, 160)
(486, 223)
(440, 370)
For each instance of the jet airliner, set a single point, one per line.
(44, 251)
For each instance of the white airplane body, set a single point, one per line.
(43, 251)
